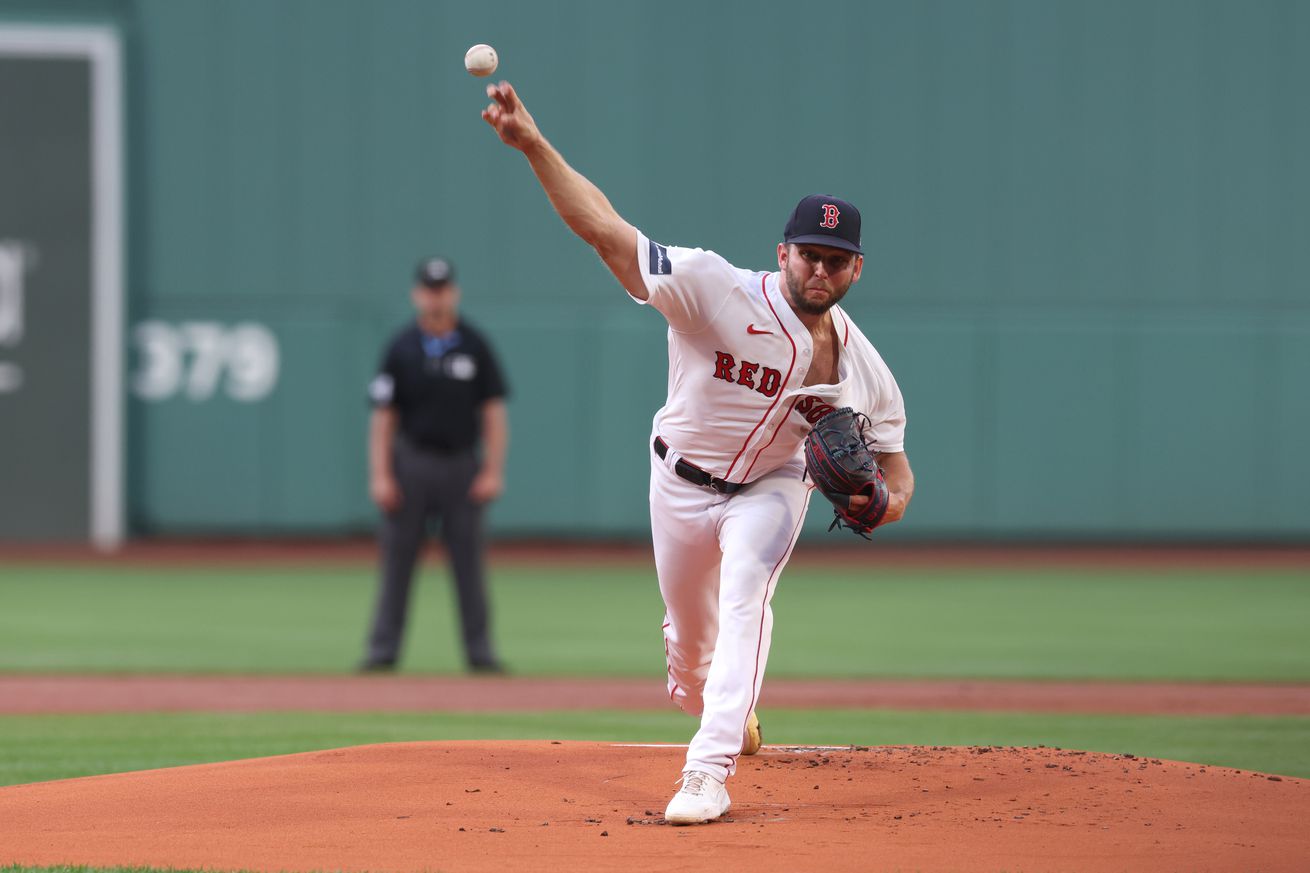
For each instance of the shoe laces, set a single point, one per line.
(694, 782)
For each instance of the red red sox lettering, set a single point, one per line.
(813, 409)
(770, 380)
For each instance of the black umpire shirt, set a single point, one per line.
(438, 386)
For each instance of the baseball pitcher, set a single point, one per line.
(773, 392)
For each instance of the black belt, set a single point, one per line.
(695, 475)
(429, 448)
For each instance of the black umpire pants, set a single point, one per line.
(434, 487)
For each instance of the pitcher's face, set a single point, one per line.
(817, 277)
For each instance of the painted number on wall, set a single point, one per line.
(196, 358)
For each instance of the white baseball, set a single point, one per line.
(481, 60)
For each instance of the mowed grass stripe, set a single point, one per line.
(40, 748)
(1238, 625)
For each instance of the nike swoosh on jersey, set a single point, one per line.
(750, 328)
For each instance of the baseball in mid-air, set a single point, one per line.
(481, 60)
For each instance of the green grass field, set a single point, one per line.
(1183, 625)
(586, 620)
(38, 748)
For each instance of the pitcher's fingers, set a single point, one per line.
(500, 95)
(514, 101)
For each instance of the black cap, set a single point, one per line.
(434, 272)
(825, 220)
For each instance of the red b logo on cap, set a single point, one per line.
(830, 214)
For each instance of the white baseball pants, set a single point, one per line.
(719, 558)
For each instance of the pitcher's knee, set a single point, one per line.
(687, 685)
(689, 666)
(690, 699)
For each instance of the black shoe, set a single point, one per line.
(376, 665)
(488, 668)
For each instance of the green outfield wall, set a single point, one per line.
(1087, 225)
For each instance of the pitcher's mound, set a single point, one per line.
(534, 806)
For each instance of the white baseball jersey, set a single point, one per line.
(738, 357)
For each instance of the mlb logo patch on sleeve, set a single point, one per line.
(660, 265)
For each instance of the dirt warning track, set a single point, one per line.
(529, 806)
(91, 694)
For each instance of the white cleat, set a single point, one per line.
(702, 798)
(754, 737)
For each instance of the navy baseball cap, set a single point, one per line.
(825, 220)
(434, 272)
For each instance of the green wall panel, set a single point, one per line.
(1284, 505)
(1054, 447)
(315, 433)
(549, 415)
(1204, 394)
(1086, 227)
(199, 467)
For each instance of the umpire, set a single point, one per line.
(437, 440)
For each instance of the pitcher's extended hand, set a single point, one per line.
(506, 113)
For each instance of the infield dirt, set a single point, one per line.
(530, 806)
(183, 693)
